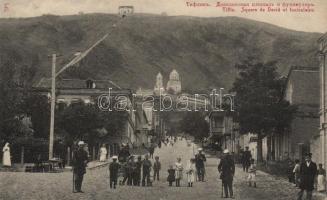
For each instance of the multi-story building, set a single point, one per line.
(302, 90)
(223, 130)
(321, 140)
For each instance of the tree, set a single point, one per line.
(259, 100)
(194, 123)
(38, 108)
(78, 121)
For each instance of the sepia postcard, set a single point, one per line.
(163, 99)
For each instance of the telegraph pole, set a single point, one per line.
(53, 104)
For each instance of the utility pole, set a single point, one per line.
(53, 104)
(74, 61)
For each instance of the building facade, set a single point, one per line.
(70, 91)
(321, 141)
(302, 90)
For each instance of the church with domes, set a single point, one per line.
(174, 85)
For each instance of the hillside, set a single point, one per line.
(203, 50)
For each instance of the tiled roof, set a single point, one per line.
(75, 84)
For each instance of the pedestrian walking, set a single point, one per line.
(6, 159)
(151, 150)
(80, 160)
(308, 172)
(246, 158)
(103, 153)
(171, 175)
(200, 159)
(321, 178)
(156, 168)
(113, 170)
(226, 168)
(179, 172)
(146, 171)
(252, 174)
(296, 172)
(190, 171)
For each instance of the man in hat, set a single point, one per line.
(226, 168)
(308, 171)
(246, 159)
(113, 169)
(200, 158)
(80, 160)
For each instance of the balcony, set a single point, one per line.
(218, 131)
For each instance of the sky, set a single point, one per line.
(313, 21)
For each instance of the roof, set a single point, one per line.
(76, 84)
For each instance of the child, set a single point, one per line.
(113, 169)
(296, 172)
(156, 168)
(321, 178)
(190, 172)
(252, 173)
(179, 172)
(171, 175)
(290, 173)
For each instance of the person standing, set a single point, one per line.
(131, 173)
(146, 171)
(226, 168)
(113, 169)
(321, 178)
(296, 172)
(190, 171)
(252, 174)
(156, 168)
(80, 160)
(137, 172)
(179, 172)
(200, 159)
(103, 153)
(151, 150)
(246, 158)
(6, 160)
(171, 175)
(308, 172)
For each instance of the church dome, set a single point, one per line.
(174, 75)
(159, 75)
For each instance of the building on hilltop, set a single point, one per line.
(174, 83)
(159, 87)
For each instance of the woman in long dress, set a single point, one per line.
(6, 160)
(190, 171)
(103, 153)
(321, 179)
(179, 171)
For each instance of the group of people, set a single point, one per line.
(304, 175)
(133, 169)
